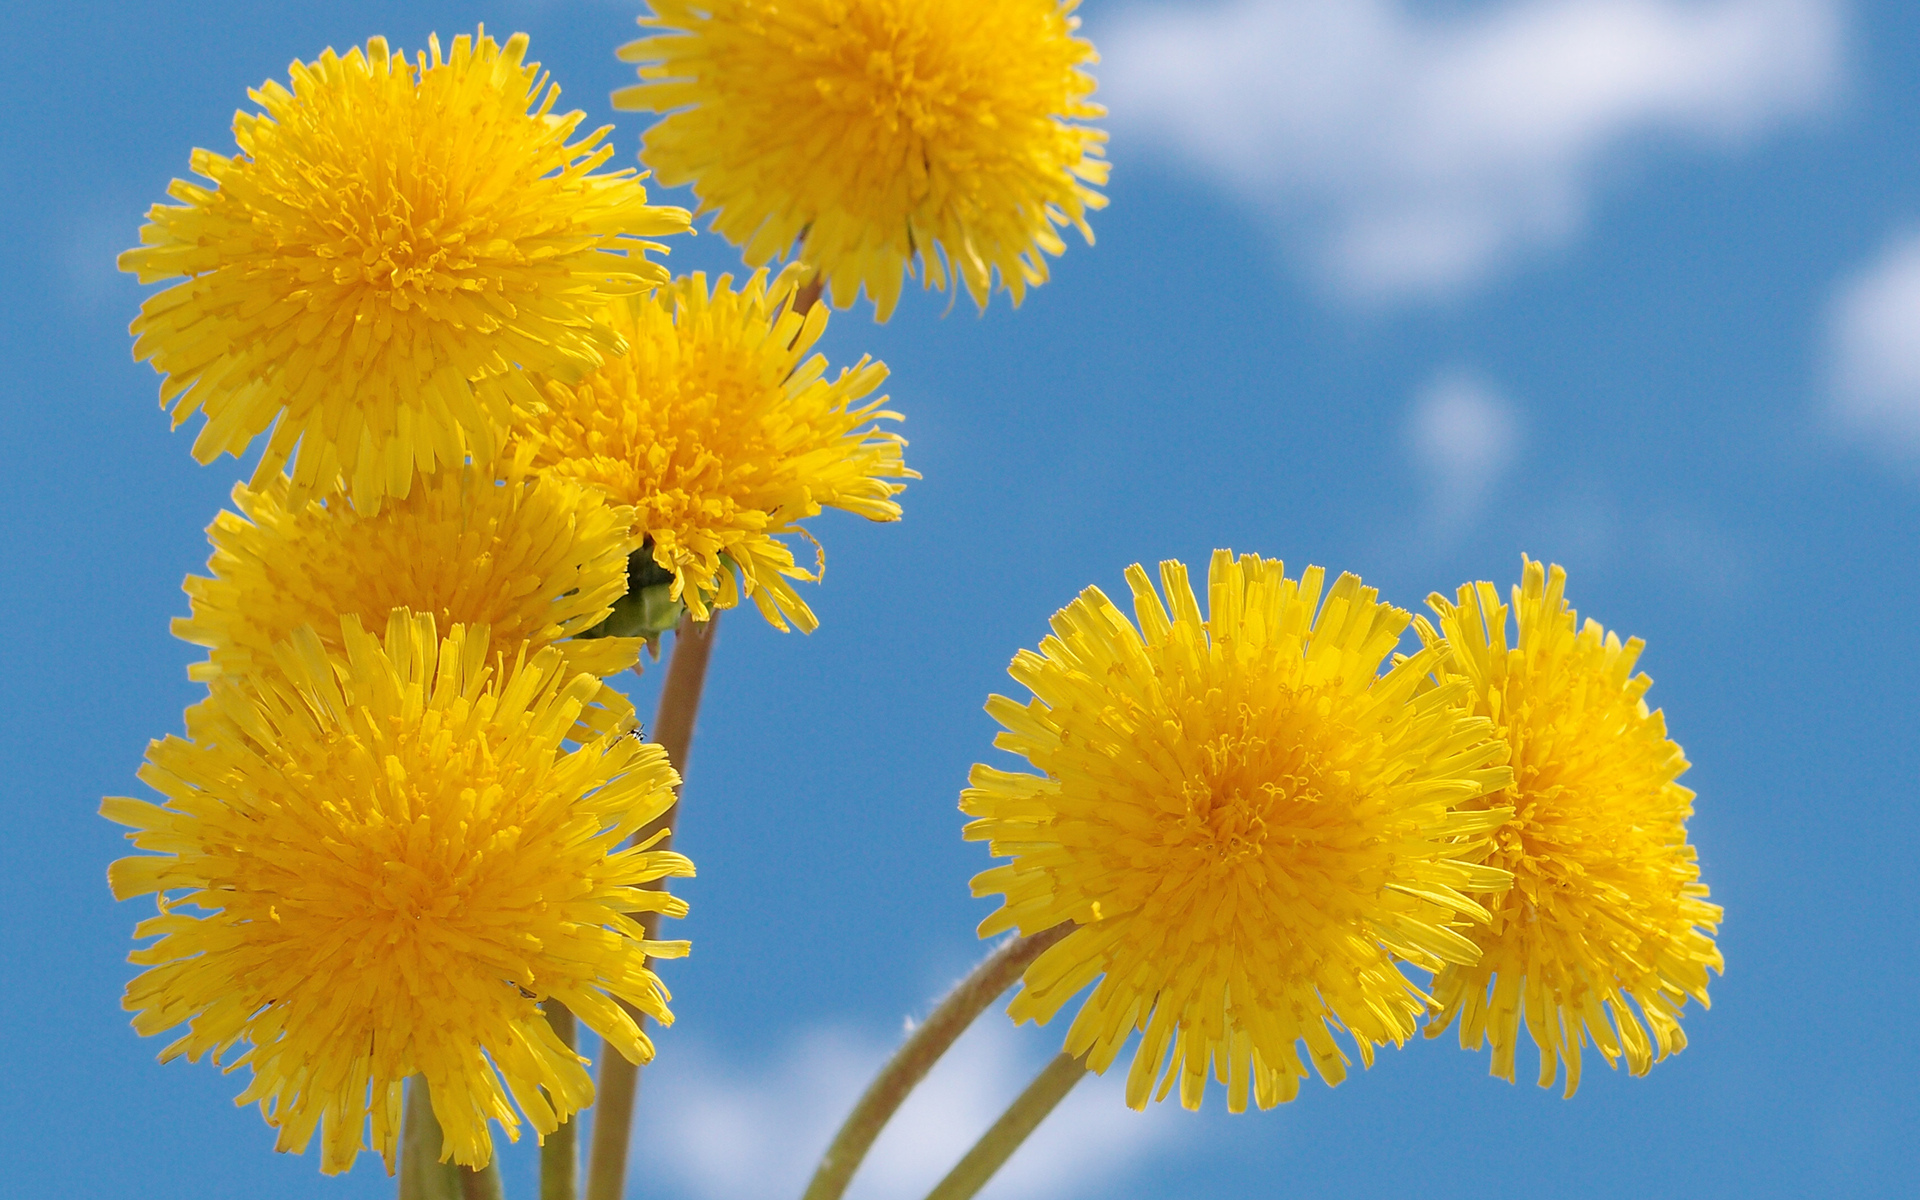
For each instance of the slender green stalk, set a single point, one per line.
(1022, 1117)
(560, 1153)
(673, 730)
(910, 1063)
(483, 1184)
(422, 1175)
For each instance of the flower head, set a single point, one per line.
(723, 440)
(1606, 902)
(1246, 826)
(536, 559)
(394, 862)
(391, 241)
(875, 132)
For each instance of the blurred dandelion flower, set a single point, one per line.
(1606, 902)
(875, 132)
(394, 862)
(1246, 825)
(391, 241)
(723, 440)
(537, 559)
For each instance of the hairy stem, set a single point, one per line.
(673, 730)
(910, 1063)
(1022, 1117)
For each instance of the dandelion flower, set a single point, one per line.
(391, 241)
(1606, 903)
(395, 862)
(876, 132)
(537, 559)
(1247, 827)
(722, 439)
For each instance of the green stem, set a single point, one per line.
(560, 1153)
(1022, 1117)
(483, 1184)
(673, 730)
(910, 1063)
(422, 1175)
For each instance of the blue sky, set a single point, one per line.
(1400, 288)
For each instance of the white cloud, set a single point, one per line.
(729, 1135)
(1412, 155)
(1463, 435)
(1876, 350)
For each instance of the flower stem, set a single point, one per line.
(483, 1184)
(808, 294)
(422, 1175)
(1022, 1117)
(910, 1063)
(673, 730)
(560, 1153)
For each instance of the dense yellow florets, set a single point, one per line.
(1247, 826)
(873, 133)
(722, 439)
(1606, 903)
(394, 861)
(536, 559)
(392, 240)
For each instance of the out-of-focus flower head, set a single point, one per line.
(874, 137)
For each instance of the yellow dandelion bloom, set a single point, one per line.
(391, 241)
(1606, 902)
(722, 439)
(1246, 825)
(877, 132)
(394, 861)
(537, 559)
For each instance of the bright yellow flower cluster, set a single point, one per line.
(1249, 827)
(415, 268)
(501, 435)
(393, 859)
(868, 136)
(723, 435)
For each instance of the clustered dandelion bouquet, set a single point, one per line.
(411, 841)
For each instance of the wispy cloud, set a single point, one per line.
(745, 1135)
(1463, 435)
(1876, 351)
(1410, 155)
